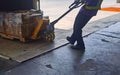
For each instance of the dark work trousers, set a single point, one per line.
(80, 21)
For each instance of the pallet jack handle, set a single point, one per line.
(76, 4)
(71, 7)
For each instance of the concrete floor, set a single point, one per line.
(101, 57)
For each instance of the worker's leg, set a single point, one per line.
(77, 22)
(80, 21)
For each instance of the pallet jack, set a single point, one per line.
(49, 32)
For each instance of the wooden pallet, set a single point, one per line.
(11, 37)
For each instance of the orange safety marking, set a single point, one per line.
(114, 9)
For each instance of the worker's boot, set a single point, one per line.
(69, 39)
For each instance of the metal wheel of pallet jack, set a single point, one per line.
(52, 36)
(49, 37)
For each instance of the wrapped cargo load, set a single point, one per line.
(18, 25)
(12, 23)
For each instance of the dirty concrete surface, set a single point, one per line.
(7, 64)
(18, 51)
(101, 57)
